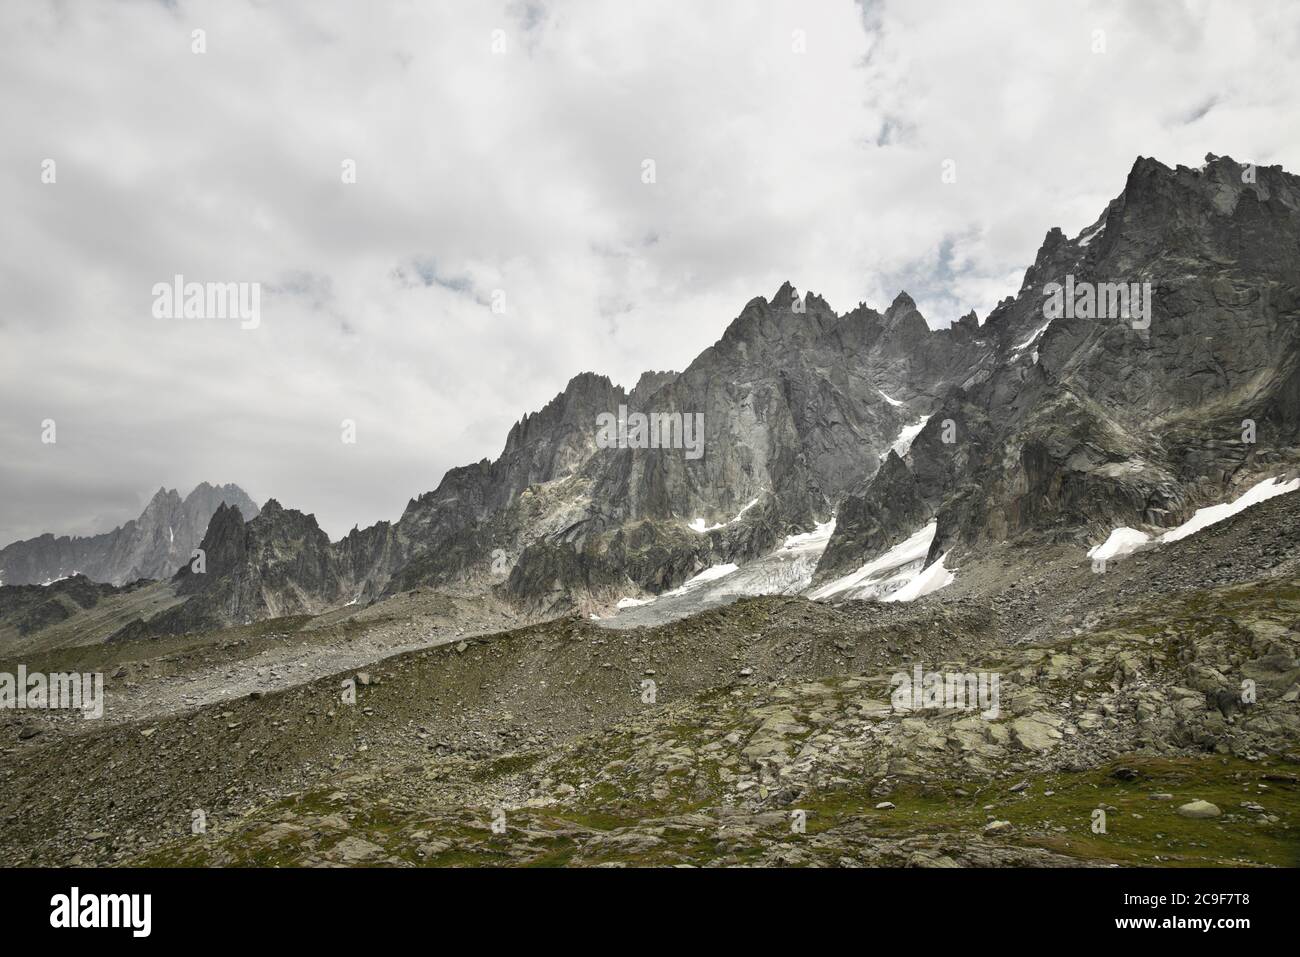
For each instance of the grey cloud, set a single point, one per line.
(521, 172)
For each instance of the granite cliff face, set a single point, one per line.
(798, 404)
(1089, 422)
(278, 563)
(152, 546)
(1042, 425)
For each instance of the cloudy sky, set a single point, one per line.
(802, 141)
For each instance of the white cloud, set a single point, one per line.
(521, 172)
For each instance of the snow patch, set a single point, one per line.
(896, 571)
(712, 573)
(907, 436)
(1213, 514)
(817, 538)
(1122, 541)
(890, 400)
(698, 524)
(1088, 235)
(930, 580)
(1016, 350)
(786, 570)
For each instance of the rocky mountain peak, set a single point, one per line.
(276, 520)
(787, 320)
(785, 295)
(902, 303)
(647, 385)
(789, 300)
(223, 547)
(1092, 422)
(801, 407)
(572, 412)
(905, 329)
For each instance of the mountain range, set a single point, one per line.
(1031, 426)
(152, 546)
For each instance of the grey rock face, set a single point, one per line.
(891, 508)
(278, 563)
(549, 575)
(1085, 424)
(32, 607)
(798, 404)
(795, 412)
(1050, 431)
(152, 546)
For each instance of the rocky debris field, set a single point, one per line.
(471, 699)
(156, 677)
(758, 732)
(1040, 592)
(1119, 746)
(761, 732)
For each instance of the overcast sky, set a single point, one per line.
(522, 171)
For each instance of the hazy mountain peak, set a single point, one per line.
(152, 545)
(902, 302)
